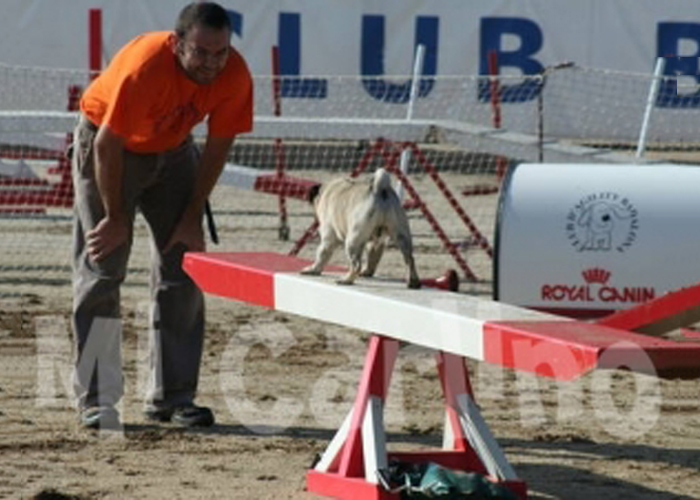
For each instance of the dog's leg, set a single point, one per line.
(404, 244)
(354, 247)
(374, 255)
(329, 242)
(402, 237)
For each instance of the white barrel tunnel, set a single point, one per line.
(589, 239)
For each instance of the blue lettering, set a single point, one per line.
(669, 36)
(289, 41)
(530, 35)
(236, 20)
(372, 59)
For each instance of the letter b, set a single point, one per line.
(530, 36)
(669, 36)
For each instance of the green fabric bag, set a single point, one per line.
(431, 480)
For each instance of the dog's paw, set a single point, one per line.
(345, 281)
(414, 284)
(310, 271)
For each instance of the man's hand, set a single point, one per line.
(106, 237)
(188, 232)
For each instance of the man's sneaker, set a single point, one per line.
(189, 415)
(158, 414)
(193, 416)
(100, 417)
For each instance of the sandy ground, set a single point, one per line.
(280, 386)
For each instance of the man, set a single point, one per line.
(133, 150)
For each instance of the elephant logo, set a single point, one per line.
(602, 222)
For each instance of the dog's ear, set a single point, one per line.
(313, 193)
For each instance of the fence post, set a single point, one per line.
(651, 99)
(415, 82)
(95, 42)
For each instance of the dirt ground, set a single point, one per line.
(281, 385)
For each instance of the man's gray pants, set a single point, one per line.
(159, 186)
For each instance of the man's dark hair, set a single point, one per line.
(209, 14)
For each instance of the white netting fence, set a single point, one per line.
(455, 130)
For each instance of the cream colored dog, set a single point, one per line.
(357, 213)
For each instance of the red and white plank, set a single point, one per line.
(464, 325)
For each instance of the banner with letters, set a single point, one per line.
(377, 39)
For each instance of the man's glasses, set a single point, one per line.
(203, 54)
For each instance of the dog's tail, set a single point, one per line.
(381, 186)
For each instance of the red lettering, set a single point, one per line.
(553, 292)
(626, 294)
(607, 294)
(573, 293)
(557, 293)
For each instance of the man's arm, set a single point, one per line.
(212, 160)
(112, 230)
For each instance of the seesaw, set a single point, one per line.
(457, 326)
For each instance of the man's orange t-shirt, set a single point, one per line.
(145, 97)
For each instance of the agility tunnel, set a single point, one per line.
(589, 239)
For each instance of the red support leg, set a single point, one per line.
(348, 468)
(454, 380)
(376, 377)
